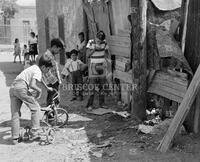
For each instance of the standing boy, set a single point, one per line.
(73, 67)
(19, 93)
(52, 77)
(97, 68)
(81, 47)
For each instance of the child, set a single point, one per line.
(25, 53)
(81, 47)
(17, 50)
(19, 93)
(52, 78)
(73, 67)
(98, 67)
(65, 73)
(33, 46)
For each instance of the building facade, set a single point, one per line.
(59, 18)
(20, 26)
(23, 23)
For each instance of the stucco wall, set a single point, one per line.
(73, 20)
(24, 14)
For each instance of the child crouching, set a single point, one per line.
(19, 93)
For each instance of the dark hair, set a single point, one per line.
(101, 35)
(68, 54)
(57, 42)
(16, 40)
(74, 52)
(44, 62)
(33, 34)
(81, 33)
(25, 45)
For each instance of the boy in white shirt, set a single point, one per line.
(19, 93)
(73, 68)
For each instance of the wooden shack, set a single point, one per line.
(131, 29)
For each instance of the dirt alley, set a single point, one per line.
(78, 141)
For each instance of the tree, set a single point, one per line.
(8, 8)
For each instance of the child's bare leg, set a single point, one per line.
(15, 58)
(20, 59)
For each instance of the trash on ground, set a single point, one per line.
(145, 128)
(98, 154)
(102, 111)
(104, 144)
(124, 114)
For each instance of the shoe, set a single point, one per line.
(35, 134)
(15, 141)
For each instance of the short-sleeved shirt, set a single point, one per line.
(33, 40)
(32, 72)
(73, 65)
(99, 55)
(81, 45)
(51, 77)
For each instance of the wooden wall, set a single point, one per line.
(111, 16)
(192, 54)
(192, 48)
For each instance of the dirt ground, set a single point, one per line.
(81, 140)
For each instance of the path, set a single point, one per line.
(25, 152)
(77, 141)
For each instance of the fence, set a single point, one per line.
(8, 33)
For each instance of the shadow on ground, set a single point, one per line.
(10, 71)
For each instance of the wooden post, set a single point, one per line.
(182, 112)
(138, 19)
(185, 4)
(197, 114)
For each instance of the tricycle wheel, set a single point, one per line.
(50, 135)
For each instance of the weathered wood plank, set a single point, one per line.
(120, 51)
(166, 76)
(126, 77)
(197, 114)
(169, 90)
(139, 57)
(124, 33)
(120, 41)
(165, 94)
(181, 112)
(186, 7)
(171, 85)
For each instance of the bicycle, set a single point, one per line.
(53, 117)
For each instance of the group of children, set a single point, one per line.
(26, 52)
(46, 71)
(92, 63)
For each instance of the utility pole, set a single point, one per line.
(139, 58)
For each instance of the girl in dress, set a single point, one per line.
(17, 50)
